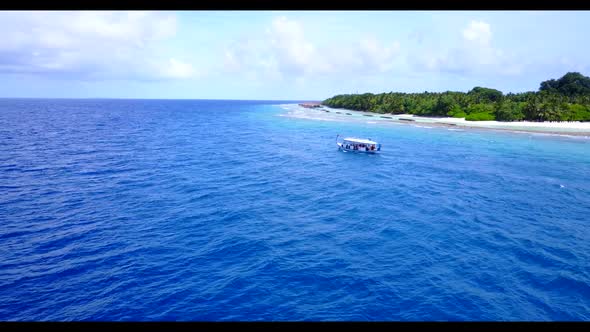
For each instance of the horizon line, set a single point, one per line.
(124, 98)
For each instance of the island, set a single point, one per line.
(564, 99)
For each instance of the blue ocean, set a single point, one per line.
(211, 210)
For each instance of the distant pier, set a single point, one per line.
(311, 105)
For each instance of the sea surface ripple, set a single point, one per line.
(204, 210)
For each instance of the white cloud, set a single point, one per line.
(285, 50)
(88, 44)
(478, 32)
(177, 69)
(475, 54)
(231, 63)
(251, 58)
(290, 43)
(293, 52)
(377, 56)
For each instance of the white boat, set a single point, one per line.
(354, 144)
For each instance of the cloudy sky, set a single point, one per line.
(291, 55)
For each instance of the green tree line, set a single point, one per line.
(564, 99)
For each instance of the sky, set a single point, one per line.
(284, 55)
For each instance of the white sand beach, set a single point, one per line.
(332, 114)
(583, 126)
(569, 128)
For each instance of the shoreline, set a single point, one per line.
(512, 130)
(550, 128)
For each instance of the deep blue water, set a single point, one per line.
(224, 210)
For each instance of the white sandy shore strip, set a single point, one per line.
(583, 126)
(516, 129)
(570, 128)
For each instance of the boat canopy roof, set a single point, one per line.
(359, 140)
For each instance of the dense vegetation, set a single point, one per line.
(565, 99)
